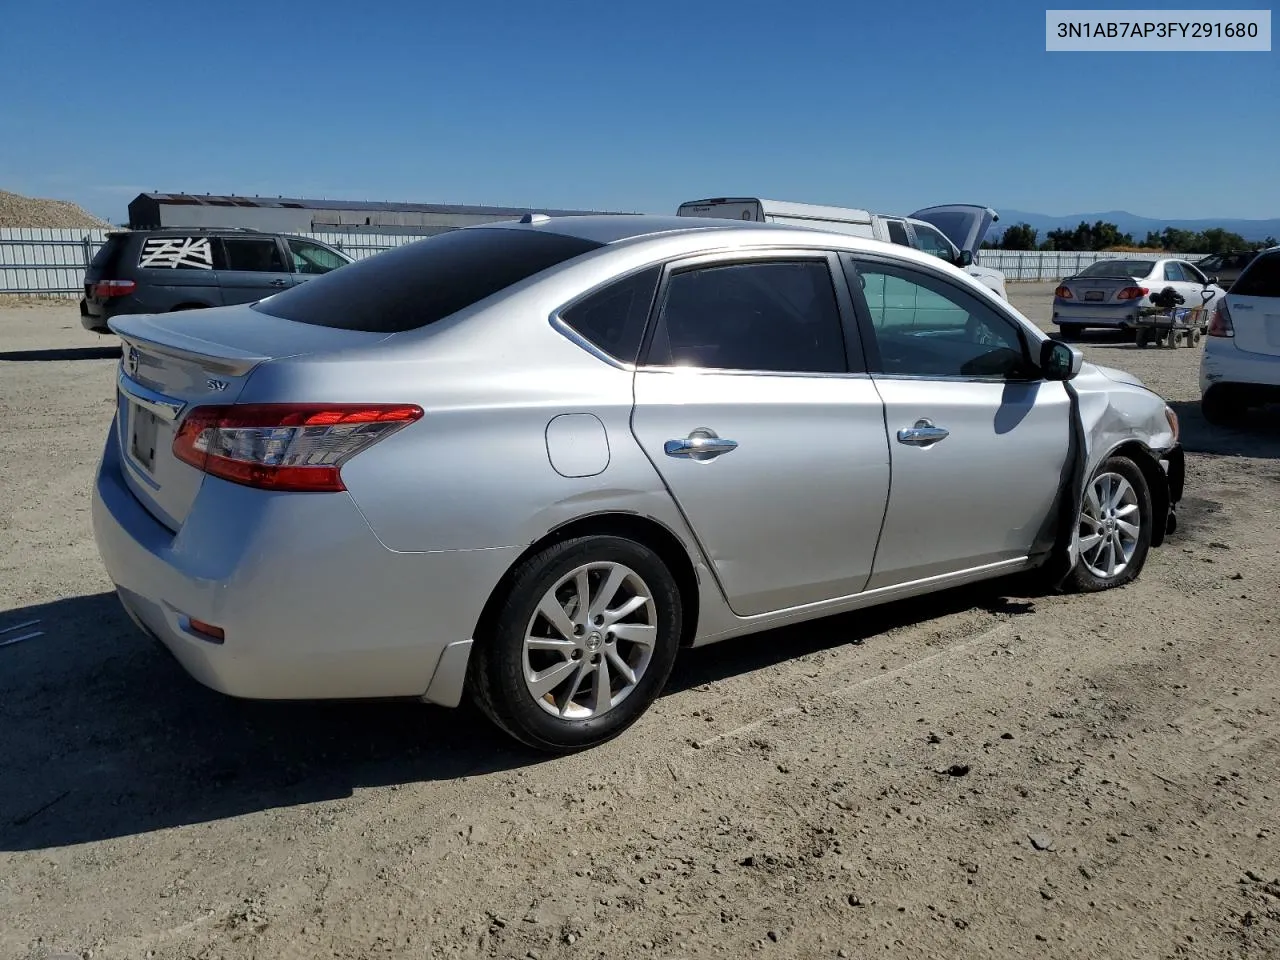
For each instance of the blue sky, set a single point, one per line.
(626, 106)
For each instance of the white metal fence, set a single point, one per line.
(51, 262)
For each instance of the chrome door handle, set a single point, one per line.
(923, 434)
(699, 445)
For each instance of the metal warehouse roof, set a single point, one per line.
(298, 203)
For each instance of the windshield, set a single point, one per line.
(1117, 268)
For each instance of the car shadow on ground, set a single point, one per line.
(67, 353)
(105, 736)
(1256, 435)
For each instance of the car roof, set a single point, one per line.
(615, 228)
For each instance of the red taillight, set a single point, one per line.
(114, 288)
(286, 446)
(1064, 293)
(1220, 324)
(1132, 293)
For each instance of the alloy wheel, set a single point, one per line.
(590, 641)
(1110, 524)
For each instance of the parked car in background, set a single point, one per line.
(1240, 366)
(1225, 268)
(531, 461)
(951, 233)
(156, 271)
(1112, 293)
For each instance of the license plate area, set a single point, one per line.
(143, 431)
(1093, 294)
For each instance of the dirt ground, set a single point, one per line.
(977, 774)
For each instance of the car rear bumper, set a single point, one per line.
(313, 606)
(1101, 315)
(1225, 363)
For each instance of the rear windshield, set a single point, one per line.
(422, 282)
(1260, 279)
(1117, 268)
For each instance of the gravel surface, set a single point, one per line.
(982, 773)
(19, 211)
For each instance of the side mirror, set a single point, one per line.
(1059, 361)
(1212, 281)
(966, 258)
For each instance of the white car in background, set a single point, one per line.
(1113, 293)
(953, 233)
(1240, 366)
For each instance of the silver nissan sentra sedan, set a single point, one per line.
(528, 462)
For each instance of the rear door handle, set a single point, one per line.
(699, 445)
(279, 283)
(922, 434)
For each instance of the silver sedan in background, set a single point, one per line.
(1113, 293)
(530, 461)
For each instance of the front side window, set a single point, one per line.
(613, 319)
(1192, 273)
(774, 316)
(925, 327)
(254, 255)
(1172, 271)
(312, 258)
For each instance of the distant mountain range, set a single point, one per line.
(1133, 224)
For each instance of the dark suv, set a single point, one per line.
(155, 271)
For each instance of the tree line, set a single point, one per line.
(1107, 236)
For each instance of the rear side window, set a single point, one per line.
(177, 253)
(419, 283)
(613, 319)
(107, 259)
(898, 233)
(1260, 279)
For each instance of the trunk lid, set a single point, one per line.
(1254, 305)
(1087, 290)
(964, 224)
(173, 362)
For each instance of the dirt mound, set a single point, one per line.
(19, 211)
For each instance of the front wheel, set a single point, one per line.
(581, 645)
(1115, 528)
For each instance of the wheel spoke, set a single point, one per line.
(574, 687)
(542, 683)
(549, 643)
(628, 608)
(641, 633)
(1130, 529)
(620, 666)
(1089, 542)
(601, 694)
(1091, 521)
(1110, 548)
(609, 590)
(1119, 490)
(1092, 506)
(1126, 510)
(554, 613)
(583, 586)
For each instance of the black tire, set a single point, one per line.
(1070, 331)
(496, 675)
(1140, 338)
(1085, 580)
(1221, 406)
